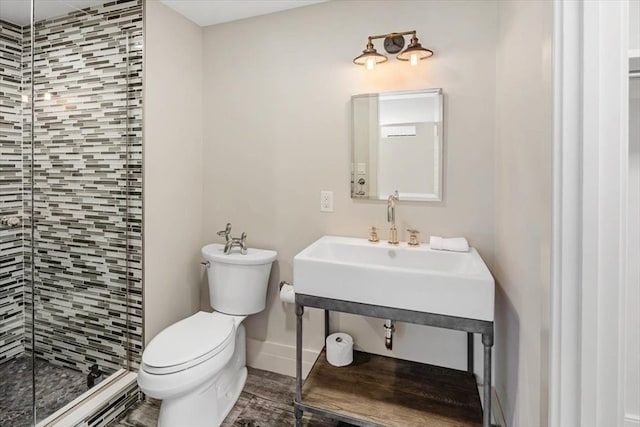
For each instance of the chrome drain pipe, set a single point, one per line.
(389, 329)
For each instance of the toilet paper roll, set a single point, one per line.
(339, 349)
(287, 294)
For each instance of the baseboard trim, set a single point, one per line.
(278, 358)
(497, 416)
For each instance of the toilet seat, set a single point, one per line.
(188, 343)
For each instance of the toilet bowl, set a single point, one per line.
(197, 366)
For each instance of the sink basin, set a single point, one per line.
(401, 276)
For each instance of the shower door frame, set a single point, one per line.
(122, 380)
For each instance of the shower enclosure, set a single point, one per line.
(70, 202)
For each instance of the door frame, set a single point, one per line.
(589, 212)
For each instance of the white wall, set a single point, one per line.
(634, 25)
(631, 391)
(631, 367)
(523, 208)
(276, 131)
(172, 167)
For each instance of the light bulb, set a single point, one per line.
(414, 59)
(25, 98)
(47, 96)
(371, 63)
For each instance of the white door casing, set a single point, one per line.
(590, 178)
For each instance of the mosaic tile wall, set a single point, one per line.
(87, 149)
(11, 259)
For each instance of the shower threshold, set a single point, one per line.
(96, 402)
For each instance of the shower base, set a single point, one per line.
(55, 387)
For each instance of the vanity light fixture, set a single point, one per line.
(393, 43)
(370, 57)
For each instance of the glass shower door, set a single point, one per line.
(78, 272)
(71, 146)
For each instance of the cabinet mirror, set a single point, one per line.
(397, 142)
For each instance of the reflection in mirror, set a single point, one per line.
(397, 142)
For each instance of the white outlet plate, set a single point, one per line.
(326, 201)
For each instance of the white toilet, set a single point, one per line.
(197, 365)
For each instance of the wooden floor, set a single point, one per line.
(383, 390)
(266, 401)
(392, 392)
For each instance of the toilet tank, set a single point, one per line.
(238, 283)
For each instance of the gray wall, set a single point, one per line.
(173, 167)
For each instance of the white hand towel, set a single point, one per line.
(455, 244)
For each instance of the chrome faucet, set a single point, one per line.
(391, 217)
(231, 242)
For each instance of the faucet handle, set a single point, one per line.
(413, 236)
(373, 236)
(243, 243)
(12, 221)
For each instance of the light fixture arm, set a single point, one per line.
(370, 43)
(384, 36)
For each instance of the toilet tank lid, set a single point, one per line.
(215, 253)
(189, 339)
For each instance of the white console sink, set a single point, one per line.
(400, 276)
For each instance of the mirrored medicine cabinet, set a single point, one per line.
(397, 144)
